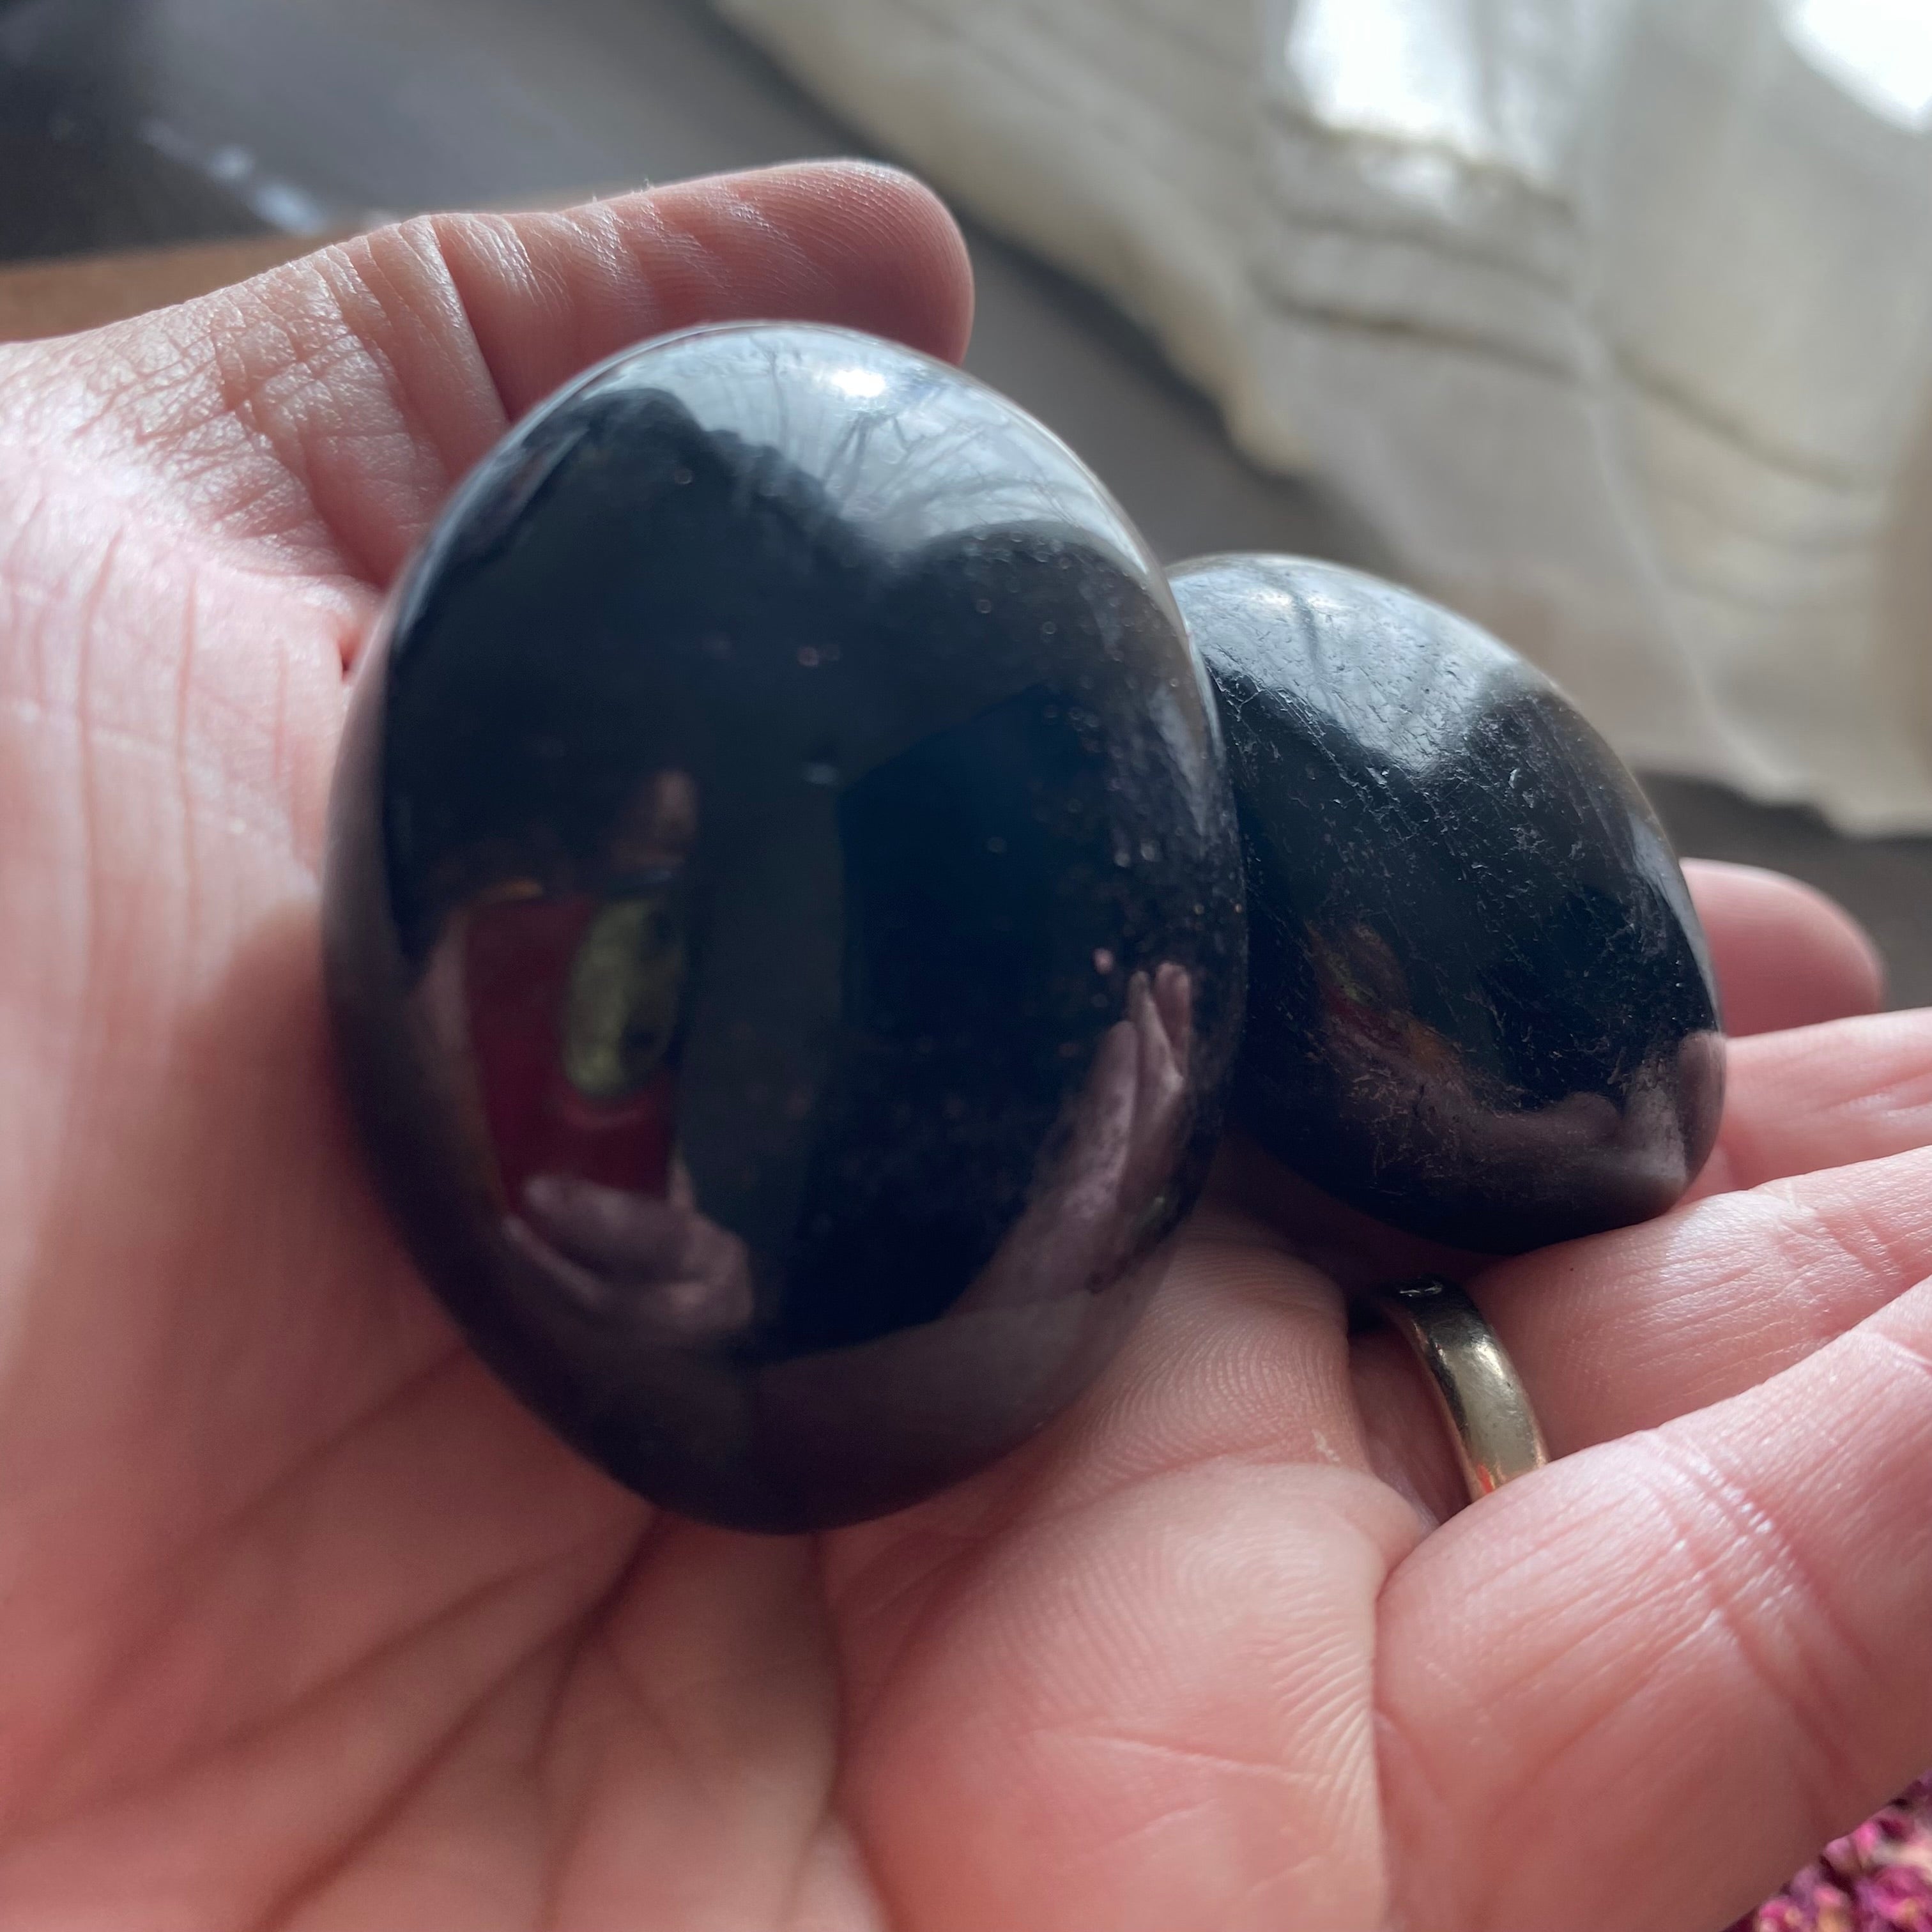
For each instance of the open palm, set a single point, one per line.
(304, 1623)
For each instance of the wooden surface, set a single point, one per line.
(56, 298)
(128, 124)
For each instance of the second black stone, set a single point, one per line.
(1480, 1007)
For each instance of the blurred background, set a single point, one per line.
(1400, 246)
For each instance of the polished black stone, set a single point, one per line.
(1480, 1005)
(783, 920)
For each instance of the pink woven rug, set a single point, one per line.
(1877, 1879)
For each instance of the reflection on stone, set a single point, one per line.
(1105, 1193)
(1045, 1310)
(520, 964)
(627, 976)
(571, 1007)
(623, 1000)
(656, 1263)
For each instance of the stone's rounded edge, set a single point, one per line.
(1348, 1075)
(561, 1361)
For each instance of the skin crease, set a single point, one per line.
(307, 1625)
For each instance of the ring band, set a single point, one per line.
(1477, 1387)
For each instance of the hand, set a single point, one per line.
(306, 1625)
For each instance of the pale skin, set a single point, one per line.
(305, 1623)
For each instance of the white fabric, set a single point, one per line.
(1615, 316)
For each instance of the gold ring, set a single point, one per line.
(1476, 1384)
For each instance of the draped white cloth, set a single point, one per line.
(1614, 316)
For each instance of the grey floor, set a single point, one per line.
(128, 122)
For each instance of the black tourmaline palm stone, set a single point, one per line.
(783, 920)
(1480, 1006)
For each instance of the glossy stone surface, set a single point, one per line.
(1479, 1004)
(782, 920)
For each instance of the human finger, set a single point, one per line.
(1626, 1330)
(1786, 955)
(317, 415)
(1708, 1640)
(1137, 1656)
(1816, 1096)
